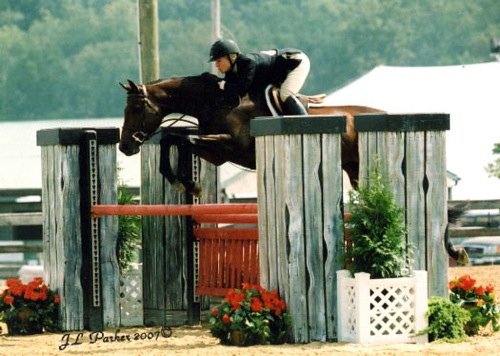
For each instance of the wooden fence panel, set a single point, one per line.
(88, 284)
(301, 181)
(410, 149)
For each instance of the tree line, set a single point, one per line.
(64, 58)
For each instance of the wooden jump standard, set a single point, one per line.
(299, 182)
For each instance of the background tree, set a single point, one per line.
(64, 58)
(494, 168)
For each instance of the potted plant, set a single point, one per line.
(29, 308)
(479, 301)
(250, 315)
(385, 301)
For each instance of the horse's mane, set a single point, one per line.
(206, 78)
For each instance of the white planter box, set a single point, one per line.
(380, 311)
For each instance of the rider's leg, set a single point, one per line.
(292, 84)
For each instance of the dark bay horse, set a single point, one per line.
(223, 125)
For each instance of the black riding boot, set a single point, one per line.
(292, 106)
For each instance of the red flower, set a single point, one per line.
(226, 319)
(490, 288)
(57, 299)
(8, 299)
(479, 290)
(466, 282)
(256, 305)
(235, 299)
(16, 287)
(35, 283)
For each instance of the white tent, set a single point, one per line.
(20, 157)
(469, 93)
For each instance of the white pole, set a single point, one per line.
(216, 20)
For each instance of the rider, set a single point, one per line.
(251, 73)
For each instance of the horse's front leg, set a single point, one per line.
(178, 181)
(211, 138)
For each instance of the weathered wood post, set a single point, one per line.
(301, 232)
(411, 151)
(169, 250)
(80, 265)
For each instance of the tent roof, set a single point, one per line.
(469, 93)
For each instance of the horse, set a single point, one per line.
(223, 123)
(223, 126)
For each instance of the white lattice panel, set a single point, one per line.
(381, 310)
(131, 308)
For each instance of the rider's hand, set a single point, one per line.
(222, 84)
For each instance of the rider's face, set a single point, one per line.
(223, 65)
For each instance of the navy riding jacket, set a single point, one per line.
(253, 72)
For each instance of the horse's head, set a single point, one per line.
(148, 105)
(142, 117)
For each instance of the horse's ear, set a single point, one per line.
(133, 86)
(125, 86)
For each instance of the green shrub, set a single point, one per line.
(377, 231)
(446, 320)
(129, 233)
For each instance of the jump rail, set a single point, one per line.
(230, 254)
(184, 210)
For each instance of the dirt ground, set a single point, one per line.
(198, 341)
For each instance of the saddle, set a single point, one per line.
(274, 103)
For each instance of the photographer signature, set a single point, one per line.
(100, 336)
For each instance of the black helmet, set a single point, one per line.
(222, 48)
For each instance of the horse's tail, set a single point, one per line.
(459, 254)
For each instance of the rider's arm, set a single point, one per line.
(240, 80)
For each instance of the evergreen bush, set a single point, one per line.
(377, 231)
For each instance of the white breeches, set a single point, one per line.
(296, 78)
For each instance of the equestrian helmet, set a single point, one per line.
(221, 48)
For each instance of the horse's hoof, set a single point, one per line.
(463, 257)
(197, 191)
(179, 187)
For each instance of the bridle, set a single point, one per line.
(141, 135)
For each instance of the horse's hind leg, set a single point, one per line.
(352, 170)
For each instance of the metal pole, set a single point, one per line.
(215, 26)
(148, 40)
